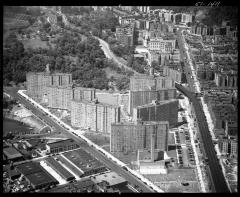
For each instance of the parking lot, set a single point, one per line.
(183, 147)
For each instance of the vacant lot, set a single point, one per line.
(98, 139)
(171, 182)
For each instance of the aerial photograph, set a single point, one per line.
(120, 99)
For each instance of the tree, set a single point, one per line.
(123, 83)
(155, 65)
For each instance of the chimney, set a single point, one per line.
(153, 135)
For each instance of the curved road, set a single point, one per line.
(110, 55)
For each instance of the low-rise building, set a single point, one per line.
(61, 145)
(112, 180)
(12, 154)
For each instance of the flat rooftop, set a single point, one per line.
(94, 103)
(29, 168)
(141, 123)
(110, 177)
(61, 143)
(159, 103)
(59, 169)
(83, 160)
(12, 153)
(41, 178)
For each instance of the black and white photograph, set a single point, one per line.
(120, 99)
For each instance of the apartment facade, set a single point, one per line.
(130, 137)
(94, 116)
(37, 82)
(158, 111)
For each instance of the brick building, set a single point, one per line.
(174, 74)
(37, 82)
(61, 145)
(132, 136)
(60, 97)
(158, 111)
(125, 34)
(93, 115)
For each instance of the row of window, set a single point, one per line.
(61, 149)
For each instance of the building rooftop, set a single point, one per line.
(158, 103)
(11, 172)
(65, 142)
(112, 178)
(12, 153)
(59, 168)
(95, 103)
(83, 160)
(141, 123)
(29, 168)
(41, 178)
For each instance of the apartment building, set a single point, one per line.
(228, 146)
(138, 98)
(226, 80)
(132, 136)
(37, 82)
(93, 115)
(161, 45)
(174, 74)
(146, 83)
(144, 89)
(125, 34)
(60, 97)
(80, 93)
(158, 111)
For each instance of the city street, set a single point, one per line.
(216, 175)
(110, 164)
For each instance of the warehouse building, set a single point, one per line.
(84, 161)
(158, 111)
(66, 175)
(112, 179)
(12, 154)
(131, 136)
(94, 115)
(61, 145)
(35, 175)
